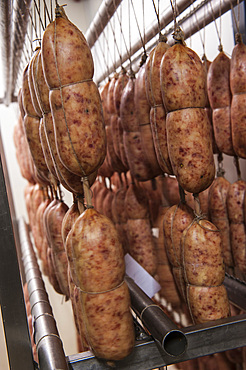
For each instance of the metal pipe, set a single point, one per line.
(49, 345)
(6, 33)
(172, 340)
(101, 19)
(236, 291)
(20, 23)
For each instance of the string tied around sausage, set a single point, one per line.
(70, 84)
(104, 291)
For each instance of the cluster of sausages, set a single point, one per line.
(62, 125)
(145, 144)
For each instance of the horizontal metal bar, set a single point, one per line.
(218, 336)
(145, 356)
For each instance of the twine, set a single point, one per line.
(32, 116)
(70, 84)
(104, 291)
(37, 87)
(144, 124)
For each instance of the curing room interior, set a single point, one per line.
(133, 159)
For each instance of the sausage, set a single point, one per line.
(204, 271)
(47, 247)
(164, 273)
(74, 98)
(154, 199)
(175, 221)
(192, 159)
(235, 209)
(47, 154)
(208, 303)
(114, 118)
(68, 220)
(138, 165)
(105, 301)
(238, 89)
(54, 222)
(183, 84)
(104, 98)
(219, 215)
(119, 215)
(22, 151)
(143, 116)
(206, 64)
(107, 204)
(141, 244)
(31, 126)
(68, 179)
(136, 202)
(112, 132)
(127, 107)
(159, 133)
(118, 129)
(139, 168)
(42, 244)
(170, 190)
(219, 93)
(79, 127)
(139, 233)
(157, 112)
(77, 312)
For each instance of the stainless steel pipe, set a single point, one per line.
(171, 339)
(49, 345)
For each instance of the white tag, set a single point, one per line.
(141, 277)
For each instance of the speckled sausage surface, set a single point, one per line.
(219, 216)
(61, 66)
(136, 202)
(175, 221)
(219, 93)
(238, 88)
(79, 127)
(202, 254)
(183, 79)
(190, 148)
(208, 303)
(127, 107)
(141, 244)
(54, 222)
(159, 133)
(105, 301)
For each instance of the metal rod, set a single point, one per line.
(6, 33)
(101, 19)
(49, 345)
(172, 340)
(20, 23)
(236, 291)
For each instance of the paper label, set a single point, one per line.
(141, 277)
